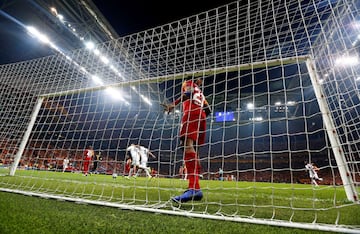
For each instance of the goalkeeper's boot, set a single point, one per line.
(188, 195)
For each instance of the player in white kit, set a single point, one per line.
(135, 158)
(144, 152)
(313, 173)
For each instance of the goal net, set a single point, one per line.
(281, 78)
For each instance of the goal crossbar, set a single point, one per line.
(184, 75)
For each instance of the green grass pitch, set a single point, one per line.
(272, 201)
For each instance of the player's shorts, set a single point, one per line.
(143, 164)
(193, 126)
(143, 161)
(135, 160)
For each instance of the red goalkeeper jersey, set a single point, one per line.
(88, 154)
(196, 101)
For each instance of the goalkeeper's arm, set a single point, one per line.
(207, 108)
(169, 107)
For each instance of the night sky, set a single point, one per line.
(126, 17)
(132, 16)
(129, 17)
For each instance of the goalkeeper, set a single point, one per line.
(192, 133)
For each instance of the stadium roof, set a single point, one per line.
(67, 22)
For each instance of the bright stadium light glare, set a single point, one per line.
(146, 99)
(290, 103)
(256, 119)
(347, 61)
(96, 52)
(116, 94)
(250, 106)
(43, 38)
(54, 11)
(104, 59)
(89, 45)
(114, 69)
(277, 103)
(61, 17)
(97, 80)
(32, 30)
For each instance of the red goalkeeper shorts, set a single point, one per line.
(193, 126)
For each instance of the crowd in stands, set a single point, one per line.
(38, 157)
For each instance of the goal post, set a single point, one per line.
(349, 185)
(26, 136)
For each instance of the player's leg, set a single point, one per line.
(191, 161)
(86, 167)
(131, 170)
(189, 133)
(148, 171)
(138, 172)
(313, 181)
(317, 177)
(140, 169)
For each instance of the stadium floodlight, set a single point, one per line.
(146, 99)
(291, 103)
(34, 32)
(345, 61)
(97, 80)
(104, 59)
(256, 119)
(61, 17)
(53, 10)
(250, 106)
(89, 45)
(116, 94)
(97, 52)
(277, 103)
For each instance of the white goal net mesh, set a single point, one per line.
(281, 78)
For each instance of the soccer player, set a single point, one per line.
(88, 154)
(221, 174)
(65, 164)
(192, 133)
(97, 160)
(127, 165)
(144, 152)
(313, 173)
(135, 158)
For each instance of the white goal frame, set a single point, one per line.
(227, 44)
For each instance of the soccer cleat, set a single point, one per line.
(188, 195)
